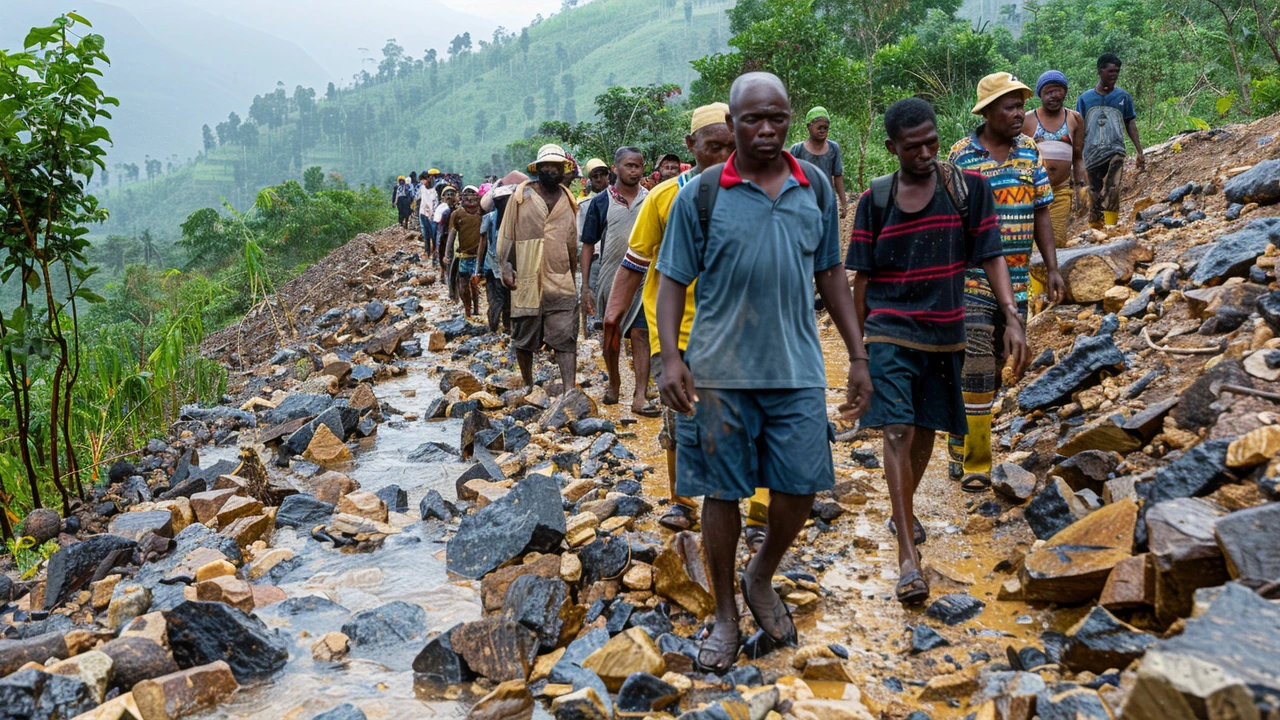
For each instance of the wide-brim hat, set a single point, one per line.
(593, 164)
(998, 85)
(550, 153)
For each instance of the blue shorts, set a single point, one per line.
(916, 387)
(467, 266)
(740, 440)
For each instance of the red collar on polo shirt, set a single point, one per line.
(730, 177)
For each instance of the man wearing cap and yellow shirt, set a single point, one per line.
(538, 257)
(1011, 163)
(824, 153)
(710, 143)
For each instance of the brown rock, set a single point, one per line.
(180, 510)
(42, 524)
(1150, 421)
(1088, 469)
(1204, 302)
(185, 692)
(953, 686)
(678, 575)
(134, 659)
(101, 591)
(484, 492)
(1254, 448)
(828, 670)
(496, 647)
(264, 595)
(1131, 584)
(511, 700)
(362, 398)
(1068, 573)
(16, 653)
(232, 482)
(331, 486)
(226, 589)
(205, 505)
(436, 341)
(326, 449)
(630, 652)
(1117, 489)
(1115, 298)
(151, 626)
(580, 529)
(235, 508)
(364, 504)
(333, 646)
(263, 563)
(638, 577)
(578, 488)
(248, 530)
(216, 568)
(1180, 534)
(1107, 434)
(1110, 526)
(493, 587)
(584, 704)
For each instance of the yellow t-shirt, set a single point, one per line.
(646, 240)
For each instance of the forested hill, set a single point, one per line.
(456, 109)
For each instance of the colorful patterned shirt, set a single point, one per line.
(1020, 184)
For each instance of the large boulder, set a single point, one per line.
(1260, 184)
(1249, 542)
(529, 518)
(1232, 255)
(1198, 472)
(1100, 642)
(1185, 550)
(36, 695)
(204, 632)
(1089, 356)
(297, 405)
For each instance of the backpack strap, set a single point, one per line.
(822, 188)
(881, 196)
(705, 200)
(957, 189)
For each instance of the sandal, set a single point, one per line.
(649, 410)
(788, 638)
(919, 533)
(975, 483)
(720, 650)
(754, 535)
(677, 518)
(912, 588)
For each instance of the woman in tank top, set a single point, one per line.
(1059, 133)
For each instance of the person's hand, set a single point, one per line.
(588, 300)
(1141, 163)
(677, 386)
(475, 281)
(844, 211)
(858, 395)
(1015, 344)
(612, 329)
(509, 277)
(1056, 287)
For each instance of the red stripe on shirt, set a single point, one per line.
(924, 315)
(936, 271)
(936, 223)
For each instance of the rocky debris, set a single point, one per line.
(1259, 184)
(1232, 255)
(570, 406)
(345, 711)
(303, 511)
(1088, 356)
(529, 518)
(955, 608)
(185, 692)
(1248, 542)
(296, 406)
(1131, 584)
(1086, 470)
(1101, 641)
(38, 695)
(1090, 270)
(1185, 553)
(1012, 481)
(72, 567)
(14, 653)
(204, 632)
(496, 647)
(1075, 563)
(1053, 509)
(538, 603)
(326, 449)
(135, 658)
(1223, 661)
(630, 652)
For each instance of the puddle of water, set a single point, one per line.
(409, 567)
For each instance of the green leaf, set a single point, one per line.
(79, 18)
(1223, 105)
(1198, 124)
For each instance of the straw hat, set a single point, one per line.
(997, 85)
(550, 153)
(592, 164)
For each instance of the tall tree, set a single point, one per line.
(210, 143)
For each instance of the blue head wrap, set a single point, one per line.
(1051, 76)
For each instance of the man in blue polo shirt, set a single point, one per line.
(1108, 115)
(753, 375)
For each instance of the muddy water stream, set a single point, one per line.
(409, 567)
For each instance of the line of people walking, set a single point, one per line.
(709, 273)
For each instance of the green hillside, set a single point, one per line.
(456, 111)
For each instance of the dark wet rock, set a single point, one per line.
(528, 518)
(1224, 319)
(576, 652)
(1137, 305)
(1232, 255)
(182, 469)
(1198, 407)
(432, 452)
(496, 647)
(234, 416)
(202, 632)
(433, 505)
(1088, 469)
(955, 608)
(375, 310)
(438, 662)
(654, 622)
(42, 524)
(1069, 701)
(135, 490)
(1012, 481)
(71, 568)
(389, 625)
(397, 499)
(619, 613)
(477, 471)
(120, 470)
(297, 405)
(644, 693)
(748, 675)
(1268, 307)
(1051, 510)
(36, 695)
(345, 711)
(14, 653)
(865, 457)
(1223, 661)
(925, 638)
(1260, 184)
(1087, 358)
(474, 422)
(298, 441)
(1031, 657)
(674, 644)
(303, 511)
(536, 603)
(134, 525)
(635, 506)
(459, 327)
(604, 558)
(135, 658)
(1185, 552)
(568, 407)
(587, 427)
(1248, 541)
(1198, 472)
(1101, 641)
(825, 510)
(1179, 193)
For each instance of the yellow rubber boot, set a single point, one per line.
(758, 508)
(1110, 217)
(1035, 291)
(977, 445)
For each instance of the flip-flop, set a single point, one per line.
(912, 588)
(649, 410)
(975, 483)
(754, 535)
(677, 518)
(720, 649)
(789, 638)
(919, 534)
